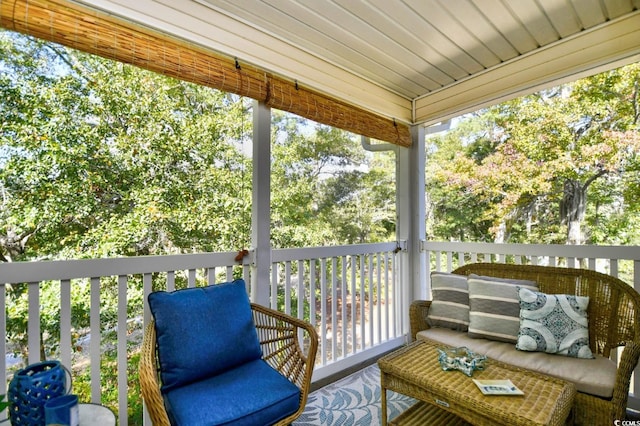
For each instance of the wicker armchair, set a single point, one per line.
(614, 321)
(279, 335)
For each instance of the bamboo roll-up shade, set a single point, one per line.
(306, 103)
(98, 33)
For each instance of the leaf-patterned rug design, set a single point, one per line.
(352, 401)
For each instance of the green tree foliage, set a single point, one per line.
(103, 159)
(454, 211)
(541, 167)
(326, 188)
(361, 204)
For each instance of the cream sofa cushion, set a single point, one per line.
(593, 376)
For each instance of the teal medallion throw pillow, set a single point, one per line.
(553, 323)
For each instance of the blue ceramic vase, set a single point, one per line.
(31, 388)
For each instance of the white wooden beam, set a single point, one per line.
(261, 205)
(410, 206)
(613, 44)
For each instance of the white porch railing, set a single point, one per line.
(618, 261)
(352, 294)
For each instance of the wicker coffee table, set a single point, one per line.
(414, 371)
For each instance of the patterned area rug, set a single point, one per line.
(352, 401)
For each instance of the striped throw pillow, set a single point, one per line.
(494, 307)
(450, 302)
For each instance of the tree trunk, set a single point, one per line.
(572, 209)
(501, 233)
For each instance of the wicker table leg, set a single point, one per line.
(383, 395)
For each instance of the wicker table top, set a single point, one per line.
(414, 370)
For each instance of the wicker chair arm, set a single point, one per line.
(418, 311)
(280, 337)
(628, 362)
(149, 383)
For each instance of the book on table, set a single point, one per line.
(497, 387)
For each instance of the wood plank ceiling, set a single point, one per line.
(416, 61)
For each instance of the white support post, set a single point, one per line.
(410, 205)
(261, 204)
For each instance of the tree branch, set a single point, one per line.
(74, 66)
(602, 171)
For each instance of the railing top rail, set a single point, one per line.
(283, 255)
(559, 250)
(18, 272)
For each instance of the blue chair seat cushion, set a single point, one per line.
(252, 394)
(203, 331)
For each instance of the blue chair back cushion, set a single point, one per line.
(253, 394)
(202, 332)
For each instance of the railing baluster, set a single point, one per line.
(378, 304)
(147, 287)
(191, 278)
(460, 258)
(387, 305)
(171, 280)
(246, 274)
(33, 329)
(312, 293)
(274, 286)
(334, 308)
(398, 298)
(96, 337)
(354, 304)
(287, 288)
(370, 304)
(65, 323)
(363, 294)
(636, 376)
(123, 387)
(3, 342)
(613, 267)
(343, 300)
(229, 275)
(323, 309)
(301, 294)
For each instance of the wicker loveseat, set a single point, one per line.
(614, 321)
(279, 341)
